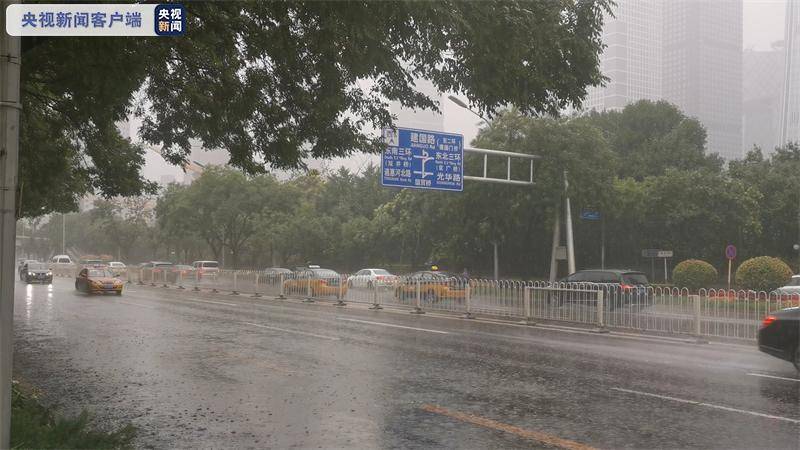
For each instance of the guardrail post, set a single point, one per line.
(255, 288)
(164, 278)
(418, 301)
(139, 278)
(310, 293)
(340, 296)
(468, 300)
(180, 280)
(234, 291)
(282, 293)
(196, 280)
(696, 303)
(526, 301)
(152, 277)
(375, 303)
(601, 322)
(215, 280)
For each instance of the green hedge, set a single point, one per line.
(694, 274)
(763, 273)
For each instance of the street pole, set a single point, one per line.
(9, 150)
(603, 242)
(63, 234)
(568, 220)
(496, 263)
(554, 249)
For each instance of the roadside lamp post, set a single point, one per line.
(460, 103)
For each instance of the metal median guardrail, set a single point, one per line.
(706, 313)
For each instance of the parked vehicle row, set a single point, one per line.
(778, 336)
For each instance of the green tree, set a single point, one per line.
(651, 137)
(777, 178)
(276, 82)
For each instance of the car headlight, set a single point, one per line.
(30, 274)
(49, 273)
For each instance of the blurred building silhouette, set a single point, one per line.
(762, 86)
(688, 52)
(632, 57)
(790, 105)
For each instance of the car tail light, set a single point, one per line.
(380, 277)
(626, 287)
(768, 321)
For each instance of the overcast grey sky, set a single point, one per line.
(763, 23)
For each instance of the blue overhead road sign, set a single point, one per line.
(423, 159)
(590, 215)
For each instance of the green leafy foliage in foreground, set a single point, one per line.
(274, 83)
(36, 426)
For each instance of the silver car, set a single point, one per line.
(792, 288)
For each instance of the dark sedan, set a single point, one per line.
(36, 272)
(779, 335)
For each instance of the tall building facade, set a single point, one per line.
(790, 105)
(762, 86)
(688, 52)
(632, 57)
(702, 68)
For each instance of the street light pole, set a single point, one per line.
(457, 101)
(9, 150)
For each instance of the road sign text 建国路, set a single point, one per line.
(423, 159)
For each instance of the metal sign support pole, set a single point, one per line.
(9, 150)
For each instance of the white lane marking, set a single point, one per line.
(216, 303)
(773, 376)
(708, 405)
(135, 304)
(393, 325)
(290, 331)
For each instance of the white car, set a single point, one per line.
(371, 277)
(792, 288)
(117, 268)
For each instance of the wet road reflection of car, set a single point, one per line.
(779, 335)
(98, 281)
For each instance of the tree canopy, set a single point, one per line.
(276, 82)
(347, 221)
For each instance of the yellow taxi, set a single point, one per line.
(433, 286)
(320, 282)
(98, 281)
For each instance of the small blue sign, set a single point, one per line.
(590, 215)
(170, 20)
(423, 159)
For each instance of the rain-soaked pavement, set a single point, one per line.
(204, 370)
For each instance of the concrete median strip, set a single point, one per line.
(543, 438)
(707, 405)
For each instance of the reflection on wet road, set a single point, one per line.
(194, 370)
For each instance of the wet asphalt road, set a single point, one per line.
(203, 370)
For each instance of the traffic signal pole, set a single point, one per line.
(9, 148)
